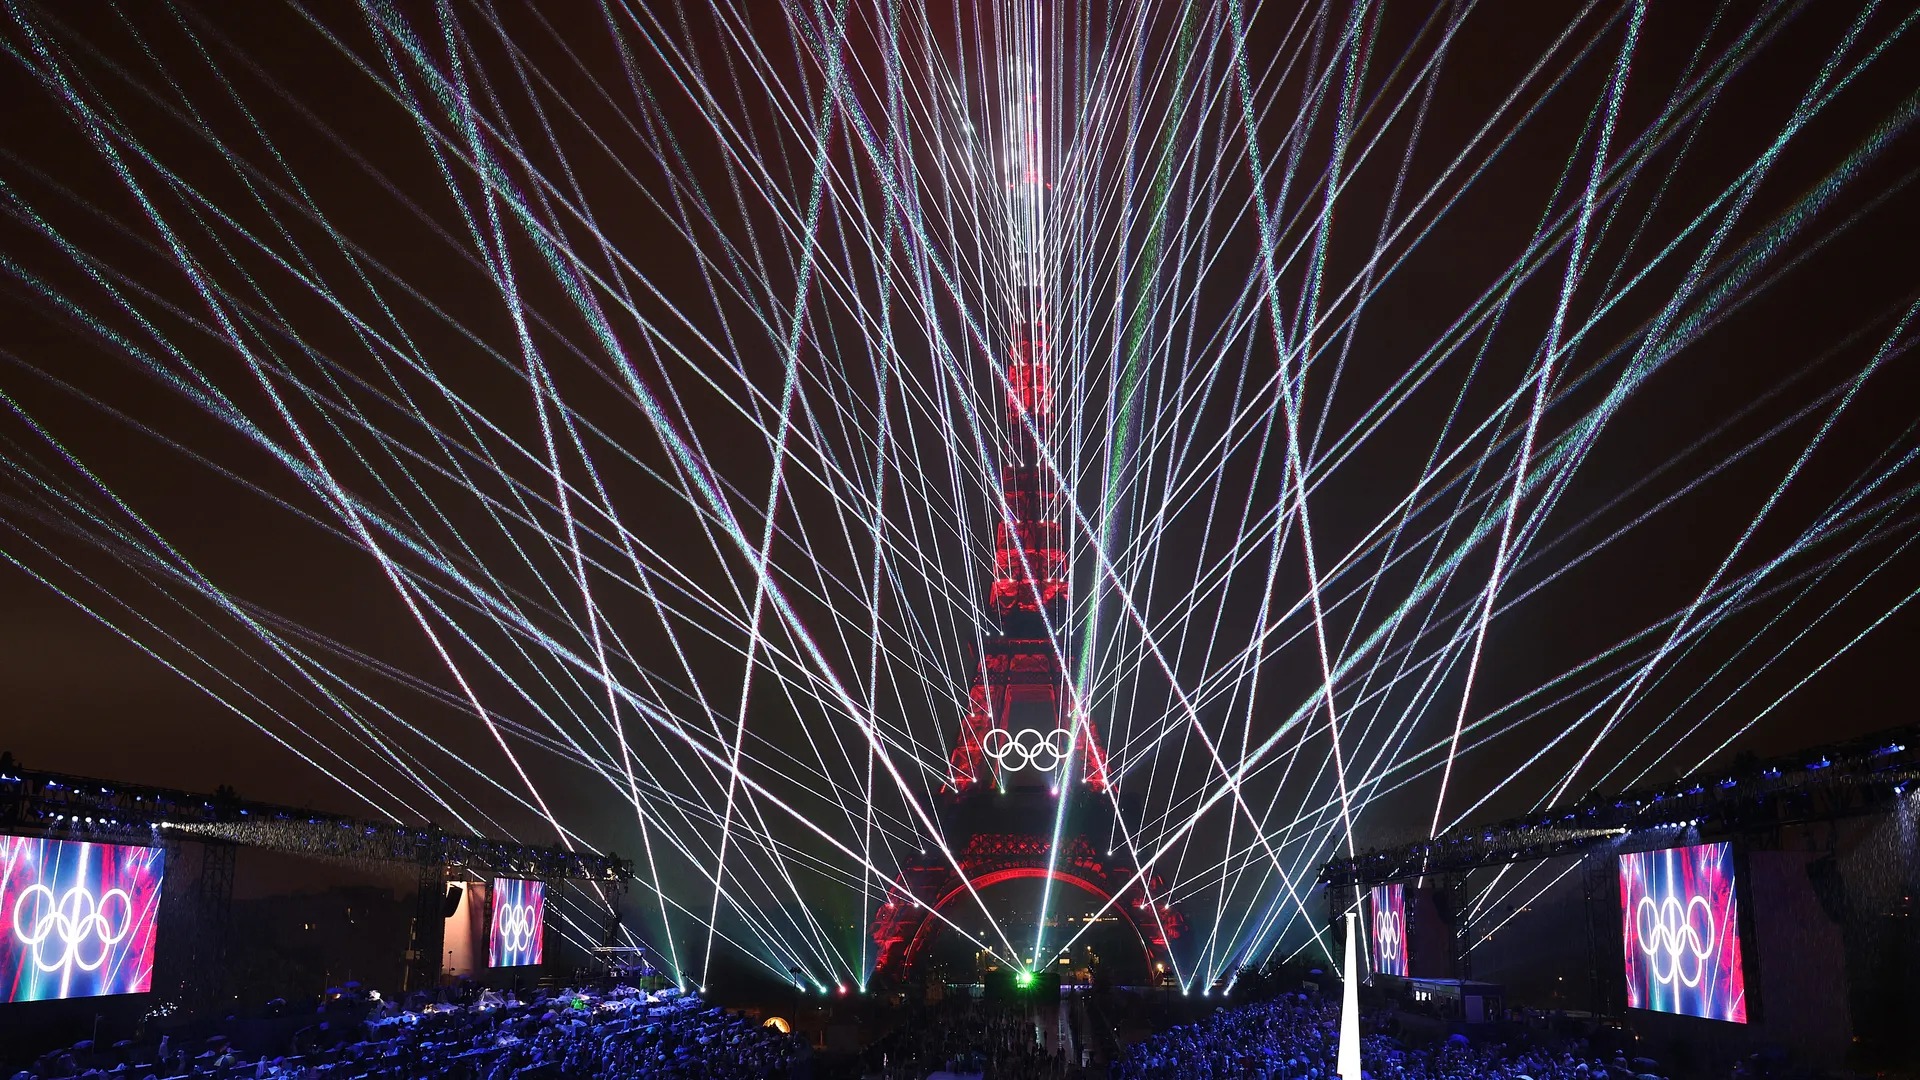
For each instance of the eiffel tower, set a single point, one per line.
(1025, 745)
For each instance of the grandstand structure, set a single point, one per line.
(1754, 801)
(220, 823)
(1836, 780)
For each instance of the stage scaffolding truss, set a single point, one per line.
(65, 807)
(1755, 799)
(1860, 776)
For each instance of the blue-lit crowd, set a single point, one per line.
(963, 1037)
(622, 1034)
(1296, 1038)
(630, 1034)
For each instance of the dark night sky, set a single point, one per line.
(79, 698)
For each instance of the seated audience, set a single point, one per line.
(622, 1034)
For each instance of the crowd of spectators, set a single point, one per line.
(622, 1034)
(1296, 1038)
(964, 1036)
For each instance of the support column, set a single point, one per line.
(429, 929)
(215, 913)
(1347, 1054)
(1457, 901)
(173, 961)
(1340, 899)
(1599, 887)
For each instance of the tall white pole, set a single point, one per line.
(1347, 1062)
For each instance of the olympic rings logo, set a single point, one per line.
(67, 927)
(1669, 937)
(1387, 937)
(516, 924)
(1014, 752)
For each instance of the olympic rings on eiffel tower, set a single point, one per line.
(1013, 751)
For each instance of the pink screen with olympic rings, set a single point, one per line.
(1680, 916)
(76, 919)
(518, 934)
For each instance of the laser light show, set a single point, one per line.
(517, 933)
(1680, 915)
(76, 919)
(856, 496)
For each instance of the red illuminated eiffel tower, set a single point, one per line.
(1023, 732)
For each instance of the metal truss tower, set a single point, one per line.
(1025, 741)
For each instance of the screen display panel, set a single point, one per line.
(76, 919)
(1680, 914)
(518, 934)
(1388, 917)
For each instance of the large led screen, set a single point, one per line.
(518, 935)
(1681, 921)
(76, 920)
(1389, 937)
